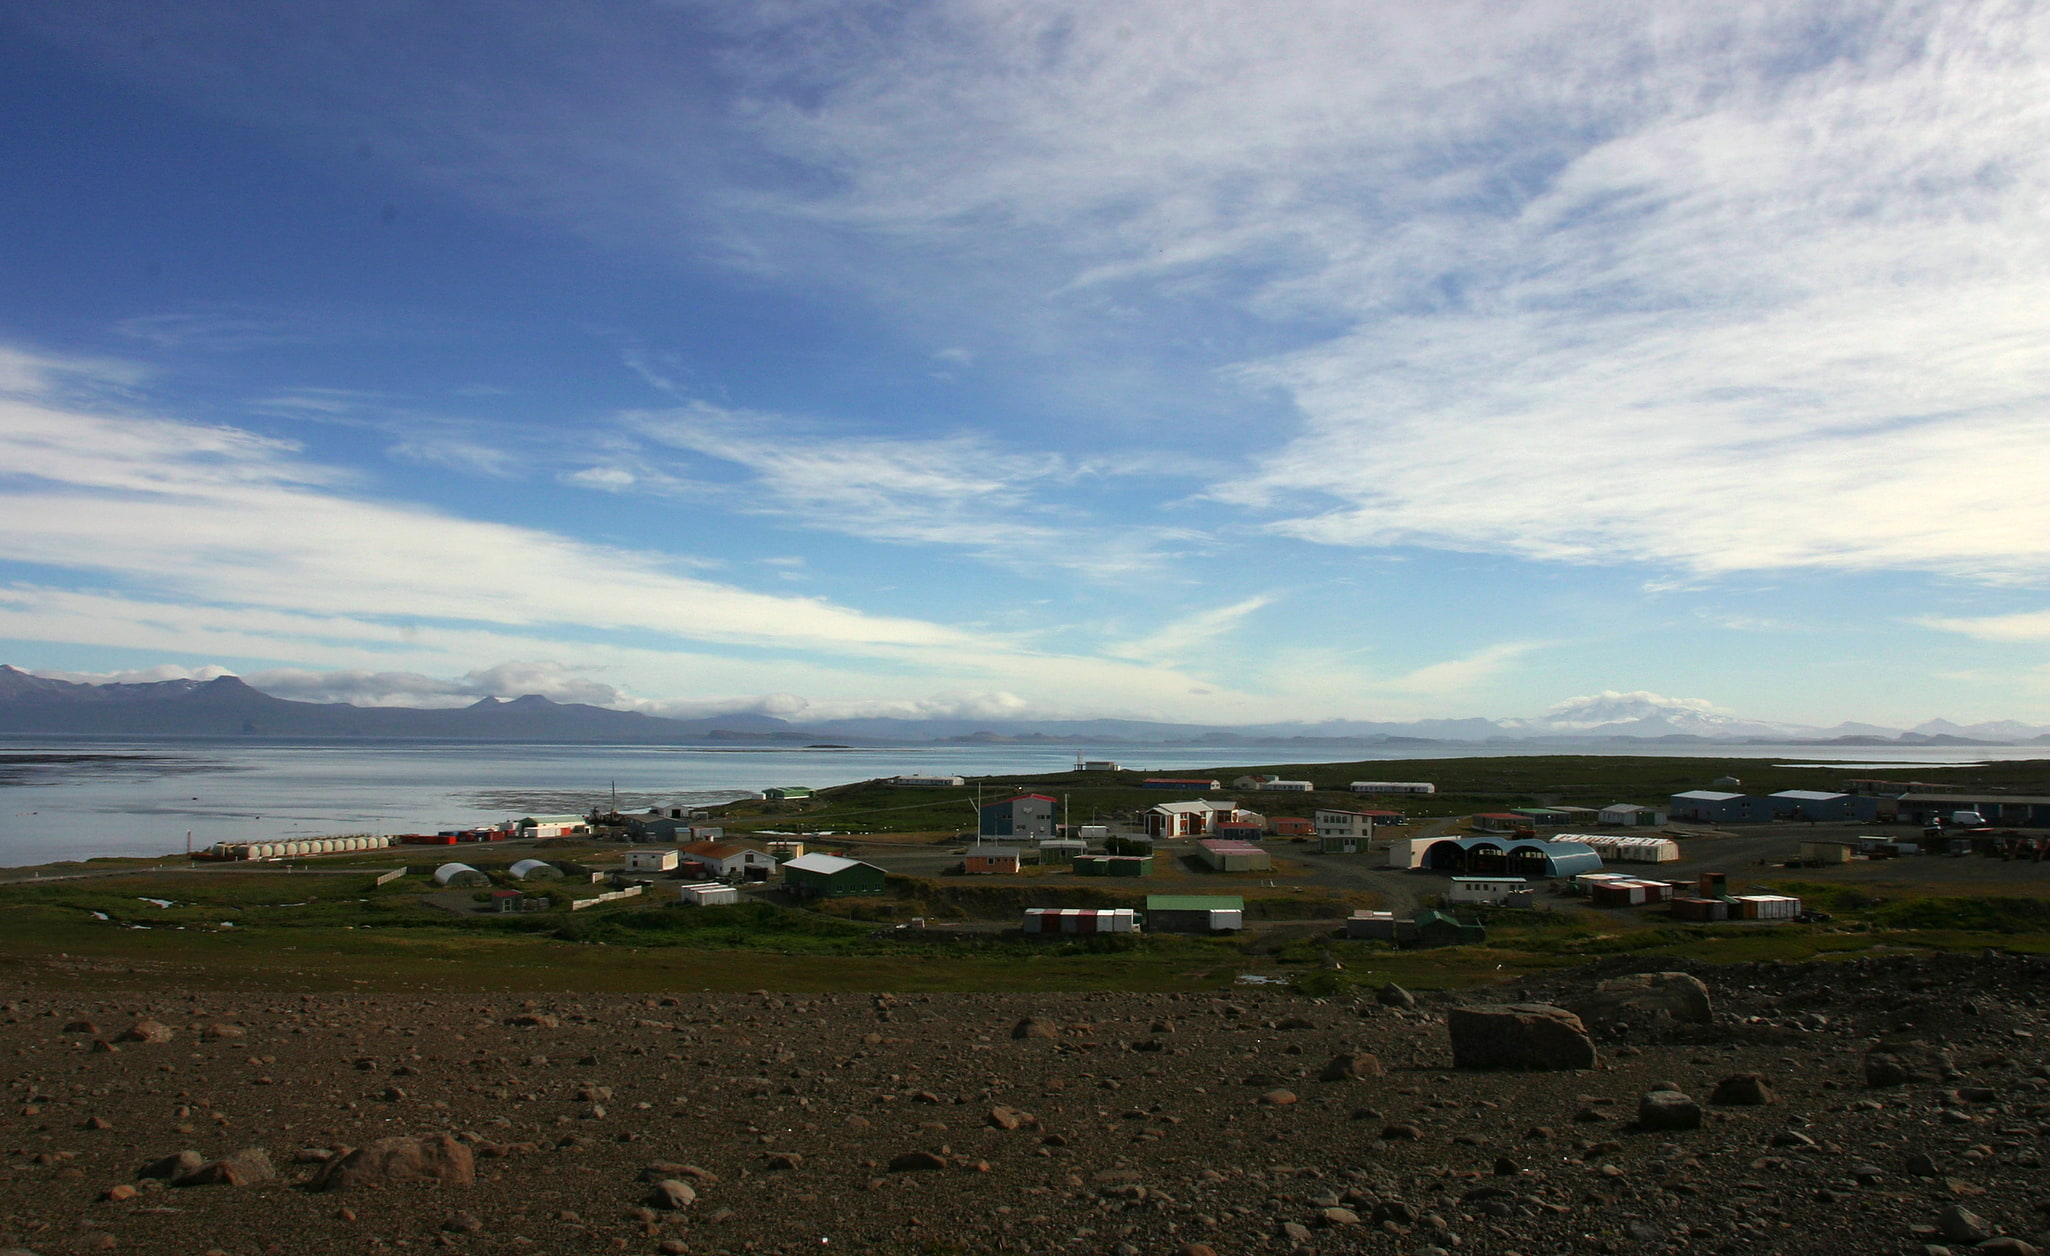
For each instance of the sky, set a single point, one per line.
(1208, 362)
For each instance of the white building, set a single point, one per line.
(1189, 819)
(1626, 848)
(1332, 822)
(1484, 889)
(707, 894)
(928, 782)
(651, 861)
(1273, 785)
(1393, 787)
(1629, 815)
(729, 861)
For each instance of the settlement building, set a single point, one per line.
(1195, 913)
(707, 894)
(729, 861)
(1081, 920)
(651, 861)
(1713, 806)
(456, 875)
(1812, 804)
(1188, 819)
(553, 826)
(1061, 850)
(829, 876)
(1999, 810)
(1487, 856)
(1393, 787)
(1226, 855)
(928, 782)
(1335, 823)
(784, 793)
(1113, 865)
(1178, 782)
(1626, 848)
(988, 859)
(1629, 815)
(1028, 817)
(535, 870)
(1485, 889)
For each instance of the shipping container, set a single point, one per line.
(1701, 909)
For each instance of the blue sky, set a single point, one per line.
(1195, 361)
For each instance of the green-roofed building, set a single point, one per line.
(1435, 928)
(1194, 913)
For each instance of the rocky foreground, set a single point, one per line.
(1873, 1106)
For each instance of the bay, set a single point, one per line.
(63, 799)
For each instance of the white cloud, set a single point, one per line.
(1172, 642)
(2019, 627)
(963, 490)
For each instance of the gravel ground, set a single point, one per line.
(1144, 1124)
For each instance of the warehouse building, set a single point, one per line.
(830, 876)
(1487, 856)
(1816, 805)
(1195, 913)
(1197, 818)
(1626, 848)
(2000, 810)
(1713, 806)
(1630, 815)
(1061, 850)
(1114, 865)
(651, 861)
(1226, 855)
(1393, 787)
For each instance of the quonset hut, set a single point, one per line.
(535, 870)
(1493, 856)
(455, 875)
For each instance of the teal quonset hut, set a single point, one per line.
(830, 876)
(1490, 856)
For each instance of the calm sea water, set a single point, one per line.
(76, 800)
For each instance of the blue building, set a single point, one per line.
(1709, 806)
(1812, 804)
(1026, 817)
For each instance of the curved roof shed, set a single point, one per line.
(451, 875)
(535, 870)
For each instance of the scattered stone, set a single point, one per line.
(1035, 1027)
(671, 1195)
(1004, 1118)
(1921, 1164)
(146, 1031)
(1668, 1110)
(1392, 995)
(435, 1158)
(218, 1031)
(1402, 1133)
(782, 1161)
(1349, 1065)
(250, 1166)
(1905, 1063)
(118, 1193)
(172, 1166)
(462, 1223)
(1640, 997)
(917, 1162)
(1962, 1225)
(534, 1020)
(1742, 1090)
(1339, 1216)
(1278, 1098)
(1519, 1035)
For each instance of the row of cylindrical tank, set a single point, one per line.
(298, 846)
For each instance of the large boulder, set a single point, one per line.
(250, 1166)
(435, 1158)
(1519, 1035)
(1647, 997)
(1347, 1065)
(1905, 1062)
(145, 1031)
(1668, 1110)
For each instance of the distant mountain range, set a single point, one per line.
(33, 705)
